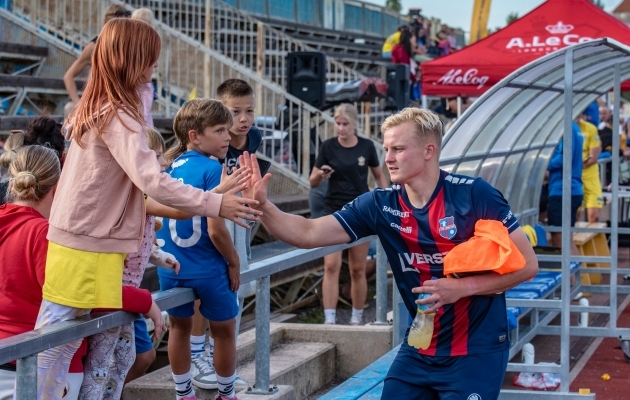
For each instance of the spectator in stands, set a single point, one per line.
(345, 161)
(45, 131)
(443, 44)
(112, 11)
(593, 200)
(419, 48)
(447, 108)
(417, 220)
(554, 201)
(391, 41)
(106, 174)
(210, 264)
(402, 53)
(605, 132)
(23, 244)
(147, 93)
(238, 96)
(11, 146)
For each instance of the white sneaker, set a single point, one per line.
(355, 321)
(203, 374)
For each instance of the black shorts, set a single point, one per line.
(554, 209)
(416, 376)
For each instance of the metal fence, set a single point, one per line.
(242, 38)
(292, 129)
(25, 347)
(350, 15)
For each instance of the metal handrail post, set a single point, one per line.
(26, 378)
(614, 206)
(263, 346)
(381, 284)
(565, 322)
(400, 318)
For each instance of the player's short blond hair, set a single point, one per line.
(428, 126)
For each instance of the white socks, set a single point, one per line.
(197, 346)
(211, 350)
(330, 315)
(226, 385)
(357, 315)
(183, 385)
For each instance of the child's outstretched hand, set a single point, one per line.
(239, 177)
(234, 273)
(174, 263)
(234, 207)
(158, 321)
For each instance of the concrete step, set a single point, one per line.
(304, 366)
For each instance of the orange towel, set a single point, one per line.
(489, 250)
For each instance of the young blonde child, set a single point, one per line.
(209, 262)
(97, 215)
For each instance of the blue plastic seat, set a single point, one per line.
(539, 288)
(517, 294)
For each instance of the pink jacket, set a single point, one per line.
(99, 203)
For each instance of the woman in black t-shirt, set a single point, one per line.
(345, 160)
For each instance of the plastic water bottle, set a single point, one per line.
(528, 353)
(421, 330)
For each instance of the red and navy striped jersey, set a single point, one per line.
(416, 241)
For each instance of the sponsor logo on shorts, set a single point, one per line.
(474, 396)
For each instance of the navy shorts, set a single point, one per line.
(416, 376)
(143, 340)
(218, 302)
(554, 209)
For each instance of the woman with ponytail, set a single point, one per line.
(34, 172)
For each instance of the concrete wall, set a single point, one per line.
(357, 347)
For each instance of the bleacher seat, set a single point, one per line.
(367, 383)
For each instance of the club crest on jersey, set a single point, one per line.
(447, 227)
(361, 161)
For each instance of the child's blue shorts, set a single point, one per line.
(218, 302)
(142, 338)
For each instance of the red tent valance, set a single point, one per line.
(551, 26)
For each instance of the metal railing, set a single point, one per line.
(293, 129)
(350, 15)
(24, 347)
(244, 39)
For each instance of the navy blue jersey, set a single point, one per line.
(416, 241)
(254, 139)
(188, 240)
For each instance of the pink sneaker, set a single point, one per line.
(218, 397)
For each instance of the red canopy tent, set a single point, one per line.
(551, 26)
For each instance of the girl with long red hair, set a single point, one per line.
(98, 212)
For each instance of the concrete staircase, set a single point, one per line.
(303, 356)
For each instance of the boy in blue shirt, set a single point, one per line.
(238, 96)
(209, 262)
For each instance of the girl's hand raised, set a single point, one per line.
(234, 207)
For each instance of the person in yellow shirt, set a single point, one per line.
(590, 170)
(391, 41)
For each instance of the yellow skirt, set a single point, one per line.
(83, 279)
